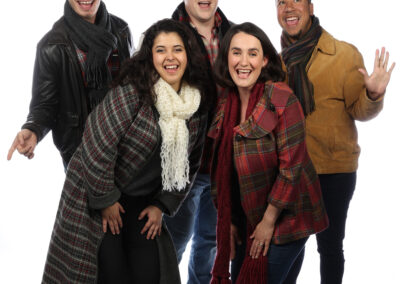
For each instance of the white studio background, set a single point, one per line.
(30, 190)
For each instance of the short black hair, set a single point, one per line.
(271, 72)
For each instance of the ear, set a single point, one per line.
(265, 62)
(311, 9)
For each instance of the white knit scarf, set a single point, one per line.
(174, 110)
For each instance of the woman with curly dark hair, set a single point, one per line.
(267, 191)
(140, 151)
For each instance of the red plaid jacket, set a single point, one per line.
(273, 165)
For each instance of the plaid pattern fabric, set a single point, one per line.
(113, 63)
(119, 137)
(211, 46)
(273, 165)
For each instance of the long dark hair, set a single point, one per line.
(140, 72)
(272, 71)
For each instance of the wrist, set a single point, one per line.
(268, 220)
(373, 96)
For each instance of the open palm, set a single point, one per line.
(377, 82)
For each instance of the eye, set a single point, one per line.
(178, 49)
(160, 50)
(280, 3)
(253, 54)
(235, 52)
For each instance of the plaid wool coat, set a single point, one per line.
(270, 157)
(121, 135)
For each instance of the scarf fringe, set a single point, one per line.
(218, 280)
(253, 271)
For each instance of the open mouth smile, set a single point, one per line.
(204, 4)
(243, 73)
(85, 4)
(292, 21)
(171, 68)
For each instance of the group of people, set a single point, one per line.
(204, 133)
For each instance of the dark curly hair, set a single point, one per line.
(139, 70)
(271, 72)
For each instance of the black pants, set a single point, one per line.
(129, 257)
(337, 191)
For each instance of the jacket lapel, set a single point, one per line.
(263, 119)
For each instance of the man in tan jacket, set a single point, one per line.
(329, 78)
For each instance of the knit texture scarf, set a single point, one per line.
(174, 110)
(224, 169)
(296, 56)
(98, 42)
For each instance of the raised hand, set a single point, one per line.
(377, 82)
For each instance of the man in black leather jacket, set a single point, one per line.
(75, 63)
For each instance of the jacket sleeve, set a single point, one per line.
(45, 90)
(358, 105)
(105, 127)
(131, 46)
(171, 201)
(291, 150)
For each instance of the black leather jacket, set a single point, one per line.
(58, 93)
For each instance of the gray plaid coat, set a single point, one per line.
(120, 136)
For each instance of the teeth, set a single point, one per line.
(204, 3)
(292, 19)
(86, 2)
(244, 71)
(171, 67)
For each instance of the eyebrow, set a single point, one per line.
(176, 45)
(250, 49)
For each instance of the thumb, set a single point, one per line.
(21, 138)
(142, 214)
(252, 235)
(364, 73)
(121, 209)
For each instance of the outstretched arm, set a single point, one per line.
(377, 82)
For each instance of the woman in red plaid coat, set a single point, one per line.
(267, 191)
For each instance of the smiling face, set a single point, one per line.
(87, 9)
(169, 58)
(245, 60)
(294, 16)
(201, 10)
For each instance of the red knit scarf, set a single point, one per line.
(253, 270)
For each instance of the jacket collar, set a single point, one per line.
(326, 43)
(181, 15)
(261, 122)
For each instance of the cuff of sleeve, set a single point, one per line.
(378, 100)
(171, 201)
(280, 204)
(159, 205)
(34, 128)
(103, 201)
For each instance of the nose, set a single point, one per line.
(289, 5)
(244, 60)
(169, 55)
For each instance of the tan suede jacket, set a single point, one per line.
(340, 99)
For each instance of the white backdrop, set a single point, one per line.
(30, 190)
